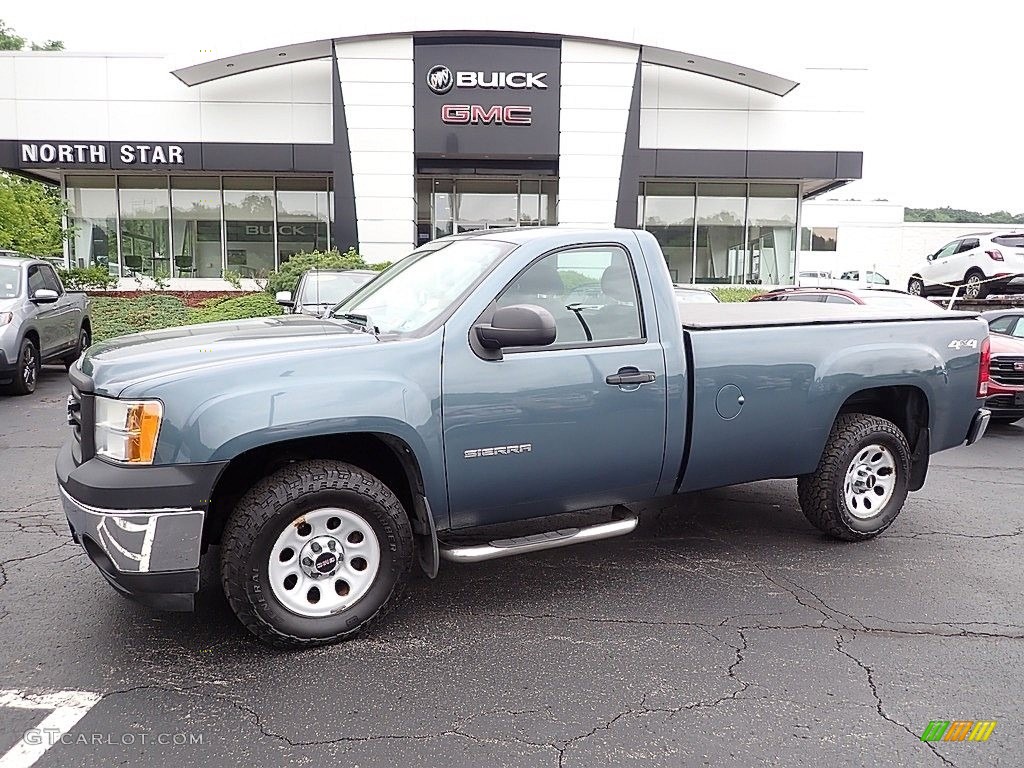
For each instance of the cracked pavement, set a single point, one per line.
(724, 631)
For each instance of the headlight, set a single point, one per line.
(126, 430)
(6, 317)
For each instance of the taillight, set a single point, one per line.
(984, 363)
(995, 255)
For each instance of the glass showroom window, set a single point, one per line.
(145, 235)
(485, 204)
(302, 216)
(249, 220)
(720, 253)
(818, 239)
(668, 214)
(195, 226)
(771, 234)
(92, 219)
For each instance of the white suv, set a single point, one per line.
(972, 261)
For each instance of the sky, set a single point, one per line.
(944, 114)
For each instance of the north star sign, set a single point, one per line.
(59, 153)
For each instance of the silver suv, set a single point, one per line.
(40, 322)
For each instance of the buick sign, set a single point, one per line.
(440, 79)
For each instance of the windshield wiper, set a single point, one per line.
(360, 320)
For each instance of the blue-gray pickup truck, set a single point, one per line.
(487, 378)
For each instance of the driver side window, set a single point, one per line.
(948, 250)
(591, 292)
(35, 280)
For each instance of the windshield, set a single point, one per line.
(10, 282)
(328, 288)
(696, 297)
(424, 285)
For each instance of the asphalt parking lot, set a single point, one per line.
(725, 631)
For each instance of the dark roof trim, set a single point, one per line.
(216, 69)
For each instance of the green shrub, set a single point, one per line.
(236, 308)
(113, 317)
(380, 266)
(234, 279)
(86, 278)
(287, 277)
(732, 294)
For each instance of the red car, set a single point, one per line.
(1006, 379)
(878, 297)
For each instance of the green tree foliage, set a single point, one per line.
(30, 217)
(87, 278)
(10, 41)
(287, 277)
(961, 216)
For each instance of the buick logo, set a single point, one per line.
(440, 79)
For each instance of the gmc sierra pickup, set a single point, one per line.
(486, 378)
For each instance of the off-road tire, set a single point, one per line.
(821, 493)
(277, 501)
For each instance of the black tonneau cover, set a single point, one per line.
(760, 314)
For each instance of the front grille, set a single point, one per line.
(75, 413)
(82, 416)
(1000, 401)
(1008, 371)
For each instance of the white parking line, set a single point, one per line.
(68, 708)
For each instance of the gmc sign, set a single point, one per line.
(475, 114)
(494, 99)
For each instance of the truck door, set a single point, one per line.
(67, 316)
(577, 424)
(46, 316)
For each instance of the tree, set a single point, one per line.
(961, 216)
(30, 217)
(10, 41)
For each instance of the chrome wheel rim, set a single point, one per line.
(915, 288)
(323, 562)
(870, 481)
(973, 286)
(28, 372)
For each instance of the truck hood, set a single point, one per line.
(1006, 345)
(115, 364)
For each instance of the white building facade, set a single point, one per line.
(843, 237)
(385, 142)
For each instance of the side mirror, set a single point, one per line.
(45, 296)
(521, 325)
(284, 298)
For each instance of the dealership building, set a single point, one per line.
(385, 142)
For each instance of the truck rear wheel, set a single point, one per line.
(861, 482)
(315, 553)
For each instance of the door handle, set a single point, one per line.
(629, 376)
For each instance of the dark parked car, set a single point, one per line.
(320, 289)
(878, 297)
(694, 296)
(1007, 321)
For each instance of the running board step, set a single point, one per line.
(539, 541)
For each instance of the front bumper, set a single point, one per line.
(978, 426)
(150, 554)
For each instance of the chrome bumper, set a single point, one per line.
(978, 425)
(139, 540)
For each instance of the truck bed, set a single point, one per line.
(766, 314)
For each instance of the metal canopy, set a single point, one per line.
(320, 49)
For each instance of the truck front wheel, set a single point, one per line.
(315, 553)
(861, 481)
